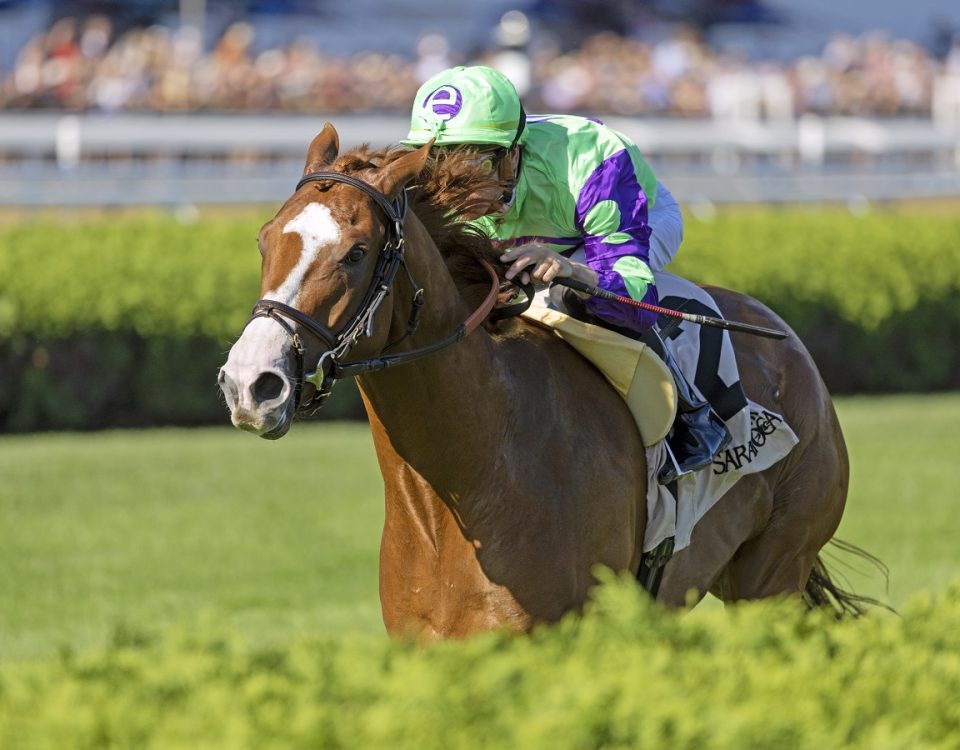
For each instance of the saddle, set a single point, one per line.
(630, 366)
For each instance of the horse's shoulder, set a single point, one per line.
(522, 337)
(527, 347)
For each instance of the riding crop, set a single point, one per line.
(703, 320)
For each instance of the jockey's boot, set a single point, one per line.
(698, 432)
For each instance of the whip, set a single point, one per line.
(703, 320)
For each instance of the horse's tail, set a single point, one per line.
(822, 591)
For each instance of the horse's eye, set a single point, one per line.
(356, 254)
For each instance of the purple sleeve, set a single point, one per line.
(615, 179)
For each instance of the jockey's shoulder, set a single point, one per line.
(578, 132)
(565, 122)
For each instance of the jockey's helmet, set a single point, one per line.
(467, 105)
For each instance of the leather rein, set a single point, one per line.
(330, 367)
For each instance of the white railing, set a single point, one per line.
(48, 159)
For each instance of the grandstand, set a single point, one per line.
(162, 101)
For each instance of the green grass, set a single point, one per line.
(904, 501)
(156, 528)
(152, 527)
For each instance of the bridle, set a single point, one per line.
(330, 367)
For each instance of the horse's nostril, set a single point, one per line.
(221, 377)
(267, 387)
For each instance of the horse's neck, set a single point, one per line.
(484, 526)
(446, 405)
(447, 399)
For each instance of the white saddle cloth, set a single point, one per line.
(760, 437)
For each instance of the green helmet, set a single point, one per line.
(467, 105)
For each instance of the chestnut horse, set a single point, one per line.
(511, 467)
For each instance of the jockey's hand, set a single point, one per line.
(547, 265)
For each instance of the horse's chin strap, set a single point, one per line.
(330, 368)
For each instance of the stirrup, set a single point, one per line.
(696, 437)
(670, 471)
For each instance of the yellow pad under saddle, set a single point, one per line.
(637, 374)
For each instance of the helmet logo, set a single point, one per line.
(445, 102)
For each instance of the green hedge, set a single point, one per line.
(125, 320)
(626, 675)
(875, 299)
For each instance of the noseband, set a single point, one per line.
(330, 368)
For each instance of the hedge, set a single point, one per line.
(875, 299)
(627, 674)
(125, 320)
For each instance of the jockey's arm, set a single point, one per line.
(622, 268)
(619, 267)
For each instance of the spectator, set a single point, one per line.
(77, 67)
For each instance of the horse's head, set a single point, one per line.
(323, 262)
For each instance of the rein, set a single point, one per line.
(330, 368)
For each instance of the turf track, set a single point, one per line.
(155, 528)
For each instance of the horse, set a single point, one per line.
(511, 468)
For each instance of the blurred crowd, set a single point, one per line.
(83, 65)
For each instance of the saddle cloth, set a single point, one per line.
(705, 355)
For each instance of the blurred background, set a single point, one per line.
(200, 101)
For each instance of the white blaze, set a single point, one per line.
(316, 228)
(264, 344)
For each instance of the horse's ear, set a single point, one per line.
(323, 149)
(394, 177)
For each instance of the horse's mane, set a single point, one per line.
(439, 197)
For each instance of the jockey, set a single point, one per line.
(577, 200)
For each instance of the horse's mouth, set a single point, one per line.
(260, 428)
(284, 423)
(279, 431)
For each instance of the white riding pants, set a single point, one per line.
(666, 229)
